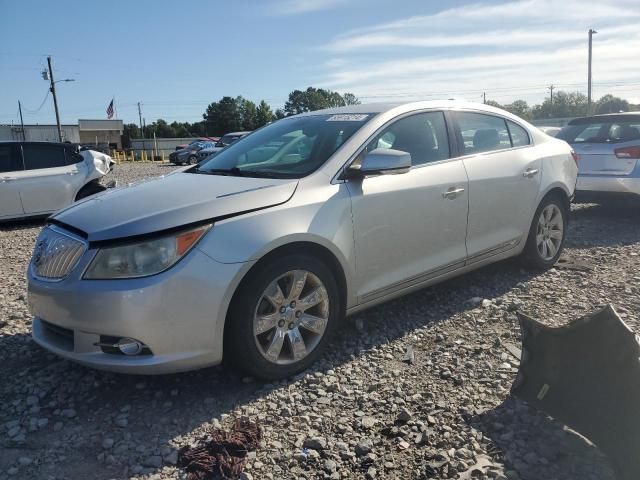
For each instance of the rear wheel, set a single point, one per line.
(282, 317)
(547, 233)
(90, 189)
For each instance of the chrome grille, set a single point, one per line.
(55, 254)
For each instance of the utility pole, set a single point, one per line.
(551, 87)
(484, 97)
(24, 139)
(55, 99)
(591, 32)
(141, 129)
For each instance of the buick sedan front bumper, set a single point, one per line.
(178, 316)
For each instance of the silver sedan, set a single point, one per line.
(259, 253)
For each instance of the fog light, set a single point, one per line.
(129, 346)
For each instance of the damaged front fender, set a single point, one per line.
(586, 374)
(99, 163)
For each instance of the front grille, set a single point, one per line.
(55, 254)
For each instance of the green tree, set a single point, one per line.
(350, 99)
(565, 104)
(493, 103)
(264, 114)
(223, 116)
(248, 112)
(131, 131)
(519, 108)
(279, 113)
(314, 99)
(610, 104)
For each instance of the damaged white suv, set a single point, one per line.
(39, 178)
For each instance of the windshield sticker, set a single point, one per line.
(347, 117)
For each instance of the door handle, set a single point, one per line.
(7, 179)
(452, 193)
(530, 172)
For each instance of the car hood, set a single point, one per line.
(163, 203)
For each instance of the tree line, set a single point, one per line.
(231, 114)
(566, 104)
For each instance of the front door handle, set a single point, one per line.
(452, 193)
(530, 172)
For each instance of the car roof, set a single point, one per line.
(382, 107)
(610, 117)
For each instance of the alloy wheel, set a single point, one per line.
(549, 232)
(291, 317)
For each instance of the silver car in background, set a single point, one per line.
(226, 140)
(608, 149)
(259, 253)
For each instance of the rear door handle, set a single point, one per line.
(530, 172)
(452, 193)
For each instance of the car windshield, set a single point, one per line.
(289, 148)
(227, 140)
(601, 131)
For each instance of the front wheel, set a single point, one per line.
(193, 159)
(282, 316)
(547, 234)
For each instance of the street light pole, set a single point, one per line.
(591, 32)
(55, 99)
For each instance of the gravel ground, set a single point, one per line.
(362, 412)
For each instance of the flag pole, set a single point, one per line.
(115, 109)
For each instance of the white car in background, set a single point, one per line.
(551, 131)
(39, 178)
(608, 149)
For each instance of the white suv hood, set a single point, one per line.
(167, 202)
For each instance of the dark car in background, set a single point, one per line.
(608, 149)
(226, 140)
(189, 155)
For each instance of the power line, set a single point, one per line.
(33, 112)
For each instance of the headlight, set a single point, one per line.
(142, 259)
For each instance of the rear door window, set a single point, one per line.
(10, 159)
(601, 132)
(43, 156)
(482, 133)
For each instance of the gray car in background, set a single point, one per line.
(259, 252)
(608, 149)
(224, 141)
(189, 154)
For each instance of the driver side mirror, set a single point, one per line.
(381, 161)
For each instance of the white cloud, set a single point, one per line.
(511, 50)
(297, 7)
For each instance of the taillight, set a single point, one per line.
(628, 152)
(575, 156)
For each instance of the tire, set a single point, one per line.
(547, 234)
(89, 189)
(258, 328)
(193, 159)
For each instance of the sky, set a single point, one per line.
(177, 57)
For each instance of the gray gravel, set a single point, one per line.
(415, 388)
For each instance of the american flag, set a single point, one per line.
(110, 110)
